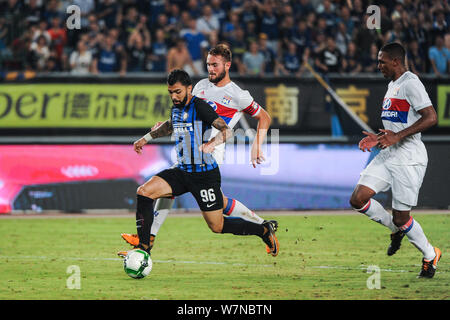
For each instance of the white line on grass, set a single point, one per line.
(355, 268)
(362, 267)
(120, 259)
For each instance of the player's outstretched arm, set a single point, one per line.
(160, 129)
(224, 134)
(264, 121)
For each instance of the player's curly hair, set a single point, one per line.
(222, 50)
(180, 76)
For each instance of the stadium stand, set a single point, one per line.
(135, 36)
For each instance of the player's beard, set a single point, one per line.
(218, 78)
(182, 103)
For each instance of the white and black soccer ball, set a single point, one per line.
(137, 264)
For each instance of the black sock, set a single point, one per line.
(144, 218)
(239, 226)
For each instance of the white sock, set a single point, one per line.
(236, 209)
(375, 211)
(417, 237)
(161, 211)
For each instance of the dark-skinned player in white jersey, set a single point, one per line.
(401, 164)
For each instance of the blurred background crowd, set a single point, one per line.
(267, 37)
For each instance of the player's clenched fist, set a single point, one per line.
(138, 144)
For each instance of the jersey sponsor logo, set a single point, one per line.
(386, 104)
(395, 110)
(182, 127)
(387, 113)
(182, 130)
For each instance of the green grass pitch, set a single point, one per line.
(321, 257)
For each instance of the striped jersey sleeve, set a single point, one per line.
(248, 104)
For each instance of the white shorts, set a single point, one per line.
(404, 181)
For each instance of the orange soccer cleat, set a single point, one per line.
(271, 241)
(133, 239)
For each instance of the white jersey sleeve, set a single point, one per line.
(416, 95)
(248, 104)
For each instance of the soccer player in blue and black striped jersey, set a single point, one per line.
(197, 171)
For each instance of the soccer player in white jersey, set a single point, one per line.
(400, 165)
(230, 102)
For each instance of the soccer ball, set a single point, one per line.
(137, 264)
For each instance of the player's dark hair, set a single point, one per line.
(395, 51)
(180, 76)
(222, 50)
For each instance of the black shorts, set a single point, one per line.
(204, 186)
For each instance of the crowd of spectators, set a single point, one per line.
(266, 36)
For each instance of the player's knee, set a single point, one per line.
(357, 200)
(140, 191)
(215, 227)
(400, 220)
(143, 192)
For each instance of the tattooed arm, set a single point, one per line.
(160, 129)
(224, 134)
